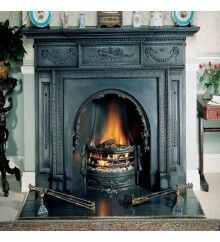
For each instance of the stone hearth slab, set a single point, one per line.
(110, 206)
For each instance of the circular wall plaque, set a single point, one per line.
(40, 18)
(182, 18)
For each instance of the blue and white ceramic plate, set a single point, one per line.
(182, 18)
(40, 18)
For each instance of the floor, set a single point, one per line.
(11, 206)
(210, 200)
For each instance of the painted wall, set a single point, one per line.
(204, 46)
(91, 18)
(208, 48)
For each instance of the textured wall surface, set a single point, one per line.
(13, 16)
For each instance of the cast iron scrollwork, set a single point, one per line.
(56, 57)
(145, 126)
(111, 54)
(76, 135)
(172, 54)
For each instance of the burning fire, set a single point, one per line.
(113, 129)
(113, 137)
(102, 163)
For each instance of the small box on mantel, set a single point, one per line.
(109, 19)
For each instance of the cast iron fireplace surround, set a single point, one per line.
(78, 71)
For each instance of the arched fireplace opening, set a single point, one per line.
(111, 135)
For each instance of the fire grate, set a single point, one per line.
(109, 166)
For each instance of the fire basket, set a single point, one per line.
(110, 167)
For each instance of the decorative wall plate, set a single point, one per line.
(182, 18)
(40, 18)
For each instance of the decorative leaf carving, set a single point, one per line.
(111, 54)
(156, 55)
(56, 56)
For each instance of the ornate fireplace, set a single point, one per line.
(110, 107)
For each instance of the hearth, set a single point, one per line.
(111, 109)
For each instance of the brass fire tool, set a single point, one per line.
(62, 196)
(136, 201)
(42, 210)
(177, 209)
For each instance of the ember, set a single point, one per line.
(104, 158)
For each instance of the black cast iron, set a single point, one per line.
(123, 173)
(6, 86)
(144, 66)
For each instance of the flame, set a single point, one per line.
(126, 155)
(102, 163)
(113, 129)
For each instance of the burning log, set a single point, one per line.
(108, 156)
(108, 143)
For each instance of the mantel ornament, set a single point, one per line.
(110, 19)
(64, 19)
(156, 18)
(6, 86)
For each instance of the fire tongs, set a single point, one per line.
(60, 195)
(130, 200)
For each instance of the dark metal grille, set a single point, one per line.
(111, 167)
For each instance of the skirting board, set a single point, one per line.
(192, 176)
(28, 177)
(211, 163)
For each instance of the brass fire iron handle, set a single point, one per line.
(135, 201)
(65, 197)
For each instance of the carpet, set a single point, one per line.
(113, 224)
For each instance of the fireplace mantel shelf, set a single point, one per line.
(98, 48)
(145, 31)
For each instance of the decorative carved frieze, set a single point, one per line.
(162, 54)
(130, 39)
(100, 55)
(111, 54)
(56, 56)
